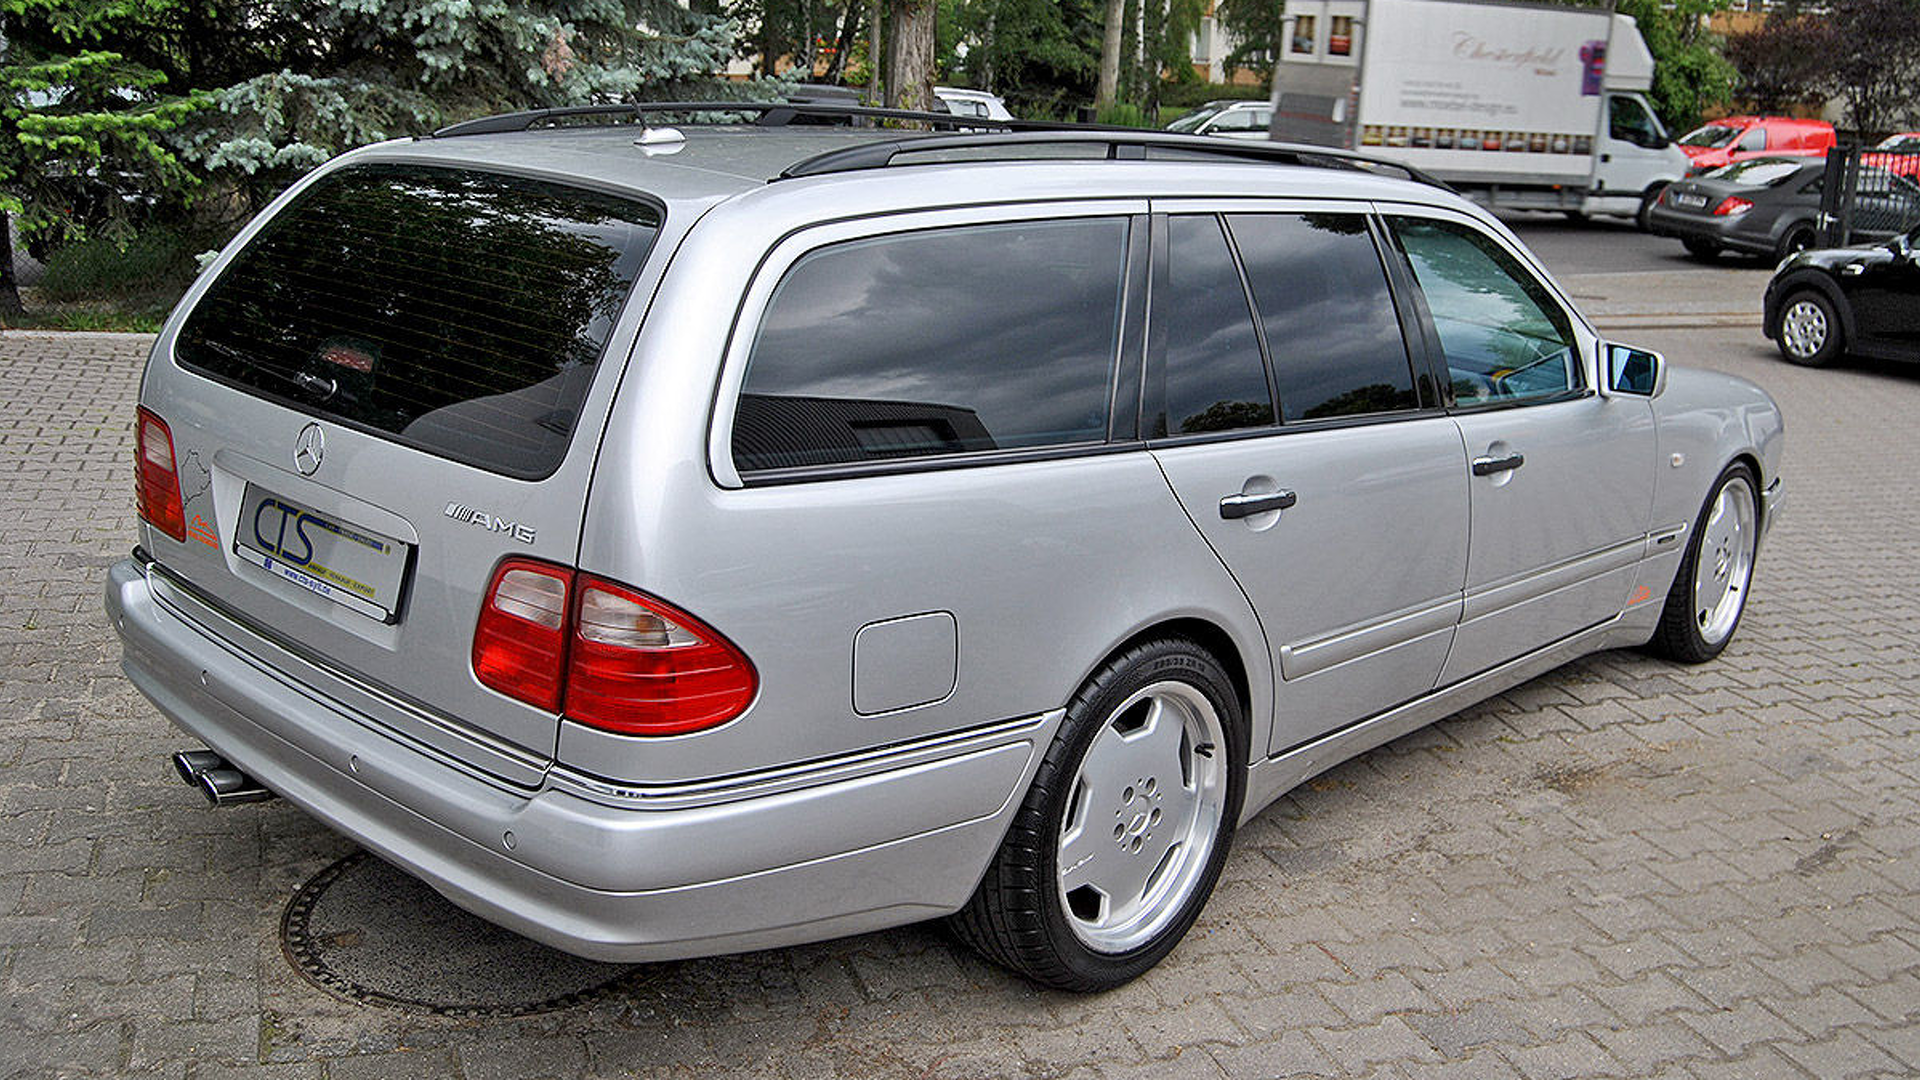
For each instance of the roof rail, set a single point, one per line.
(968, 132)
(1119, 144)
(771, 114)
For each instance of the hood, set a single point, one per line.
(1831, 259)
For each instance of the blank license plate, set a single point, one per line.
(351, 566)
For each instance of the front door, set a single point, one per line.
(1886, 302)
(1303, 451)
(1557, 473)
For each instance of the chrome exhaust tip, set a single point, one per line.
(229, 787)
(191, 763)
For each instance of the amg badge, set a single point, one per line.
(490, 522)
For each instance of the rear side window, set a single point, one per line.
(457, 311)
(1329, 318)
(945, 341)
(1215, 379)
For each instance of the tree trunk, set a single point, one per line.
(1110, 53)
(910, 55)
(876, 53)
(10, 305)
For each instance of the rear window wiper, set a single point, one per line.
(319, 387)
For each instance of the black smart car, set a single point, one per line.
(1862, 300)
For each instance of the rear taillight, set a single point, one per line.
(1731, 205)
(157, 488)
(520, 643)
(642, 667)
(607, 656)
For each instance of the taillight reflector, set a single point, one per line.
(1732, 204)
(157, 483)
(607, 656)
(520, 643)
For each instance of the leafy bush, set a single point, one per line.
(149, 263)
(1125, 114)
(1192, 95)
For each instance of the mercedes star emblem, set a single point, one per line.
(308, 449)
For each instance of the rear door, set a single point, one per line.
(1301, 445)
(388, 389)
(1560, 477)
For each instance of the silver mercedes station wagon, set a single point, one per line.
(669, 539)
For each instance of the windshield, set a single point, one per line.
(1758, 172)
(1194, 119)
(1711, 136)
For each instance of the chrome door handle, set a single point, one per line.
(1234, 507)
(1487, 466)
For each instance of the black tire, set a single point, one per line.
(1704, 250)
(1578, 217)
(1679, 636)
(1643, 217)
(1807, 329)
(1795, 240)
(1019, 917)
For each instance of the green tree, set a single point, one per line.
(1255, 28)
(1040, 55)
(81, 126)
(365, 70)
(1691, 76)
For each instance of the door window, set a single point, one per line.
(1504, 337)
(985, 337)
(1327, 314)
(1753, 141)
(1215, 379)
(1627, 120)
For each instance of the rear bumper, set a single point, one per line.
(1724, 231)
(610, 872)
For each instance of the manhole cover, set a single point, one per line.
(365, 930)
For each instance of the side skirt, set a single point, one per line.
(1273, 777)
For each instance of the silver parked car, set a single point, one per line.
(668, 541)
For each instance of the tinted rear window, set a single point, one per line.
(986, 337)
(457, 311)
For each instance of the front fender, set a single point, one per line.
(1706, 420)
(1805, 278)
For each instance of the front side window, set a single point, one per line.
(1504, 337)
(1327, 313)
(1627, 120)
(1754, 141)
(945, 341)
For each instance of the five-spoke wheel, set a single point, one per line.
(1123, 831)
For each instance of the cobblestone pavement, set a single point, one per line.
(1623, 868)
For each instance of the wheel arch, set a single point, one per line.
(1218, 641)
(1815, 281)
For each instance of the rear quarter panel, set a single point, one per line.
(1045, 566)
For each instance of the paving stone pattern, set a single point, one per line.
(1623, 868)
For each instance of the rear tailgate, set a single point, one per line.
(388, 390)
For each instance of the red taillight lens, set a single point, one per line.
(614, 658)
(1732, 204)
(520, 644)
(642, 667)
(157, 490)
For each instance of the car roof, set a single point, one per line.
(706, 164)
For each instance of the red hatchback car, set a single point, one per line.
(1736, 138)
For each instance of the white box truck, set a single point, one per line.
(1522, 106)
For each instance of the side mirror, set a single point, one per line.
(1638, 372)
